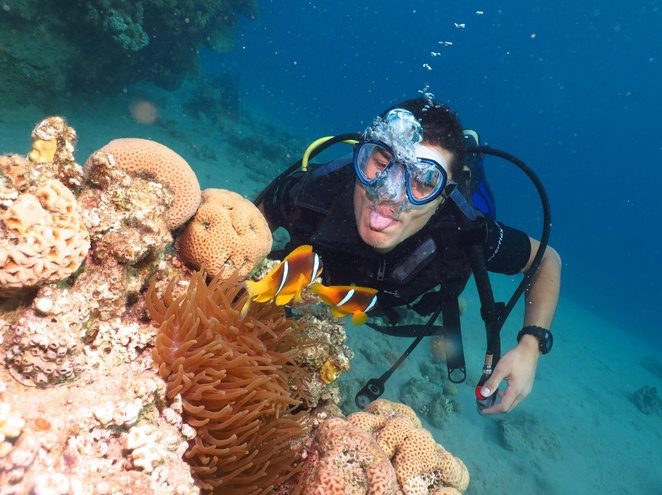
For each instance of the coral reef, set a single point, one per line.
(44, 238)
(234, 381)
(142, 157)
(348, 461)
(215, 98)
(152, 40)
(228, 235)
(96, 398)
(421, 465)
(43, 235)
(61, 442)
(53, 146)
(381, 450)
(107, 426)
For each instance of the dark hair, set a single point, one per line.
(441, 126)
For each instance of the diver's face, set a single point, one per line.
(380, 226)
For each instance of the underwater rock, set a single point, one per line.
(215, 98)
(429, 400)
(417, 393)
(98, 46)
(647, 400)
(521, 431)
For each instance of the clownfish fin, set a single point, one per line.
(321, 291)
(244, 308)
(259, 291)
(337, 312)
(297, 298)
(359, 317)
(283, 299)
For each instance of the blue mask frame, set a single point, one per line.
(368, 183)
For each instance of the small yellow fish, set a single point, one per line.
(286, 281)
(347, 300)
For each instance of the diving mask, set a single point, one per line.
(391, 160)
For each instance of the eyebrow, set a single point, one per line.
(382, 154)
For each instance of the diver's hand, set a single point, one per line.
(518, 368)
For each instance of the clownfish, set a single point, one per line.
(287, 279)
(347, 300)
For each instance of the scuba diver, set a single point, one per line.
(398, 215)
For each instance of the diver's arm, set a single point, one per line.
(518, 365)
(542, 295)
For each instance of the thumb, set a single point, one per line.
(492, 383)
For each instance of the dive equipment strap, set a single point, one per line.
(450, 332)
(452, 338)
(490, 311)
(374, 387)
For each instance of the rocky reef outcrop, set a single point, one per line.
(88, 46)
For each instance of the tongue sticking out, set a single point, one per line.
(378, 221)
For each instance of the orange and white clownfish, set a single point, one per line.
(287, 279)
(347, 300)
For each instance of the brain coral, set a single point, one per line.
(142, 156)
(422, 466)
(233, 379)
(43, 238)
(350, 463)
(227, 235)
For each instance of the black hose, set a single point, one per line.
(546, 230)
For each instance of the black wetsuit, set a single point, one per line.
(317, 208)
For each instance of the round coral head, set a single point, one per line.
(227, 235)
(142, 156)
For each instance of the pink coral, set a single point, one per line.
(228, 235)
(422, 466)
(43, 238)
(142, 156)
(350, 462)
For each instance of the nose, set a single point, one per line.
(392, 186)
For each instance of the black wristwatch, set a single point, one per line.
(544, 336)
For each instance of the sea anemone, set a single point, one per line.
(235, 379)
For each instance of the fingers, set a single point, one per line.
(509, 400)
(519, 383)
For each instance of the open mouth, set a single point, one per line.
(382, 217)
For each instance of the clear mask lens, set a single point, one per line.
(425, 180)
(372, 159)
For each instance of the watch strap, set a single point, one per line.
(543, 335)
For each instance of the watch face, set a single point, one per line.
(547, 342)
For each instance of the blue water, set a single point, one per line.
(570, 87)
